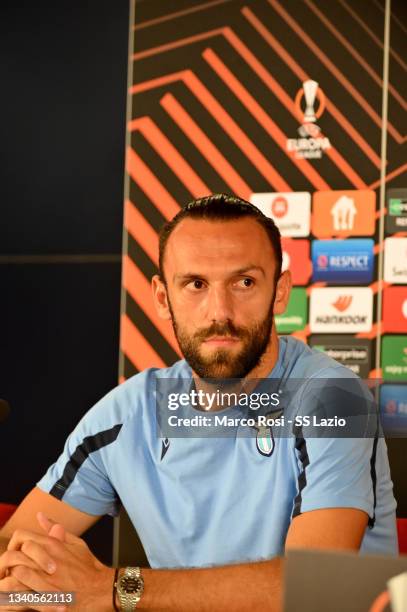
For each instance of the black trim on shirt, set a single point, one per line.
(301, 446)
(373, 474)
(89, 445)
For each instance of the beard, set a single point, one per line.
(222, 363)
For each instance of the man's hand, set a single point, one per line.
(58, 561)
(10, 559)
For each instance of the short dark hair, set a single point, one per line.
(221, 207)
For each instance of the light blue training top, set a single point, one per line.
(213, 501)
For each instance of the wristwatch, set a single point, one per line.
(130, 586)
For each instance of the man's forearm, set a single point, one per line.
(253, 586)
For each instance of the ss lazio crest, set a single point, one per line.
(265, 439)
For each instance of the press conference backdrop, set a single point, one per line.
(299, 107)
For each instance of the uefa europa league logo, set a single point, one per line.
(309, 104)
(310, 92)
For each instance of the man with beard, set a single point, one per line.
(215, 514)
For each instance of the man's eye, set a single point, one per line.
(246, 282)
(196, 284)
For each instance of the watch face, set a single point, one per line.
(130, 585)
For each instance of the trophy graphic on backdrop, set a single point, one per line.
(311, 143)
(310, 91)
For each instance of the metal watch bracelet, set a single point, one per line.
(129, 588)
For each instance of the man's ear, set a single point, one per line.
(282, 292)
(160, 298)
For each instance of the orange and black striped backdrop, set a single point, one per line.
(211, 103)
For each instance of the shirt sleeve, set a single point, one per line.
(336, 466)
(80, 476)
(334, 473)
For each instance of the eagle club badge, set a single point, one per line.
(265, 441)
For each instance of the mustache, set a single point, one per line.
(220, 329)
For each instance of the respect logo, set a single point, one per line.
(343, 261)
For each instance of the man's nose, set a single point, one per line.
(220, 307)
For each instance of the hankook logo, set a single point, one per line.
(342, 303)
(341, 310)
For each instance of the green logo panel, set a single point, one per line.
(396, 219)
(396, 207)
(295, 316)
(394, 357)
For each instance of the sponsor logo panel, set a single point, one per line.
(395, 260)
(295, 316)
(395, 309)
(354, 353)
(291, 211)
(394, 357)
(396, 203)
(343, 213)
(341, 309)
(343, 261)
(393, 409)
(296, 258)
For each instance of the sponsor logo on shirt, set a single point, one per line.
(342, 309)
(291, 212)
(395, 260)
(343, 261)
(344, 213)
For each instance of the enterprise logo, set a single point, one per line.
(354, 353)
(343, 261)
(346, 353)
